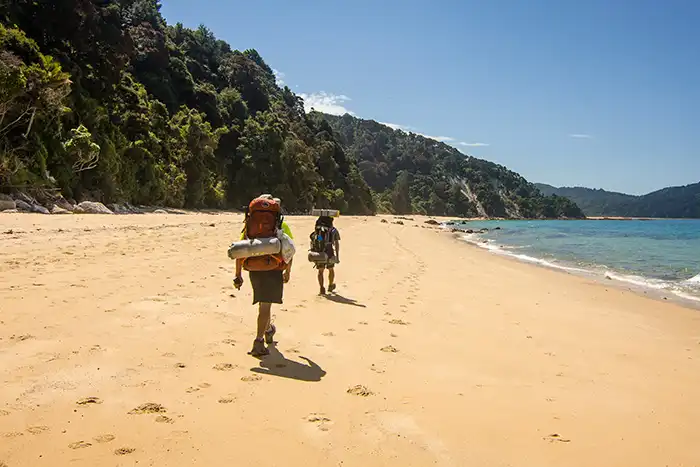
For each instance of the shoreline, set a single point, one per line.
(618, 280)
(104, 314)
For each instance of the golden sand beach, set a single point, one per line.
(123, 342)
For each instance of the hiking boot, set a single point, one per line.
(331, 288)
(323, 291)
(259, 349)
(270, 335)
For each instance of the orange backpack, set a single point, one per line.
(263, 219)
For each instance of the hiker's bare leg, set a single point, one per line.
(331, 276)
(264, 315)
(320, 277)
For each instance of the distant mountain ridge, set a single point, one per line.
(671, 202)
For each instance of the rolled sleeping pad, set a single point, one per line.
(325, 212)
(255, 247)
(318, 256)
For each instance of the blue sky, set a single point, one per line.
(598, 93)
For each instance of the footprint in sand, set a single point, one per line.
(79, 445)
(224, 367)
(216, 354)
(191, 389)
(14, 434)
(164, 419)
(89, 401)
(328, 334)
(23, 337)
(204, 385)
(376, 369)
(123, 451)
(227, 400)
(4, 413)
(168, 354)
(364, 323)
(149, 407)
(104, 438)
(36, 430)
(389, 349)
(229, 342)
(251, 378)
(320, 420)
(393, 335)
(180, 365)
(359, 390)
(351, 329)
(399, 322)
(554, 438)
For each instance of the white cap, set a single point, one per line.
(269, 196)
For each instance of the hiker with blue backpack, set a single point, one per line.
(326, 239)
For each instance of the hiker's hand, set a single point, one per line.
(286, 276)
(238, 282)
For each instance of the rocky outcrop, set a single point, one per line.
(432, 222)
(38, 208)
(56, 209)
(92, 207)
(23, 206)
(64, 204)
(6, 203)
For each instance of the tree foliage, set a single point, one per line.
(104, 100)
(409, 173)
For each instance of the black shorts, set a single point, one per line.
(323, 266)
(267, 286)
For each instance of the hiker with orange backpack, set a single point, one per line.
(267, 273)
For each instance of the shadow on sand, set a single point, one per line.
(276, 364)
(334, 297)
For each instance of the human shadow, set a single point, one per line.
(276, 364)
(334, 297)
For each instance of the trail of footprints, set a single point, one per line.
(149, 408)
(410, 283)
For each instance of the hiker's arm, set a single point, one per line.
(337, 250)
(287, 271)
(238, 281)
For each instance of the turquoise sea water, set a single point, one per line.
(663, 255)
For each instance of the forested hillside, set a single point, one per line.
(103, 100)
(410, 173)
(675, 202)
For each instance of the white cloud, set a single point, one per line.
(395, 126)
(442, 139)
(473, 145)
(327, 103)
(580, 136)
(334, 104)
(279, 77)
